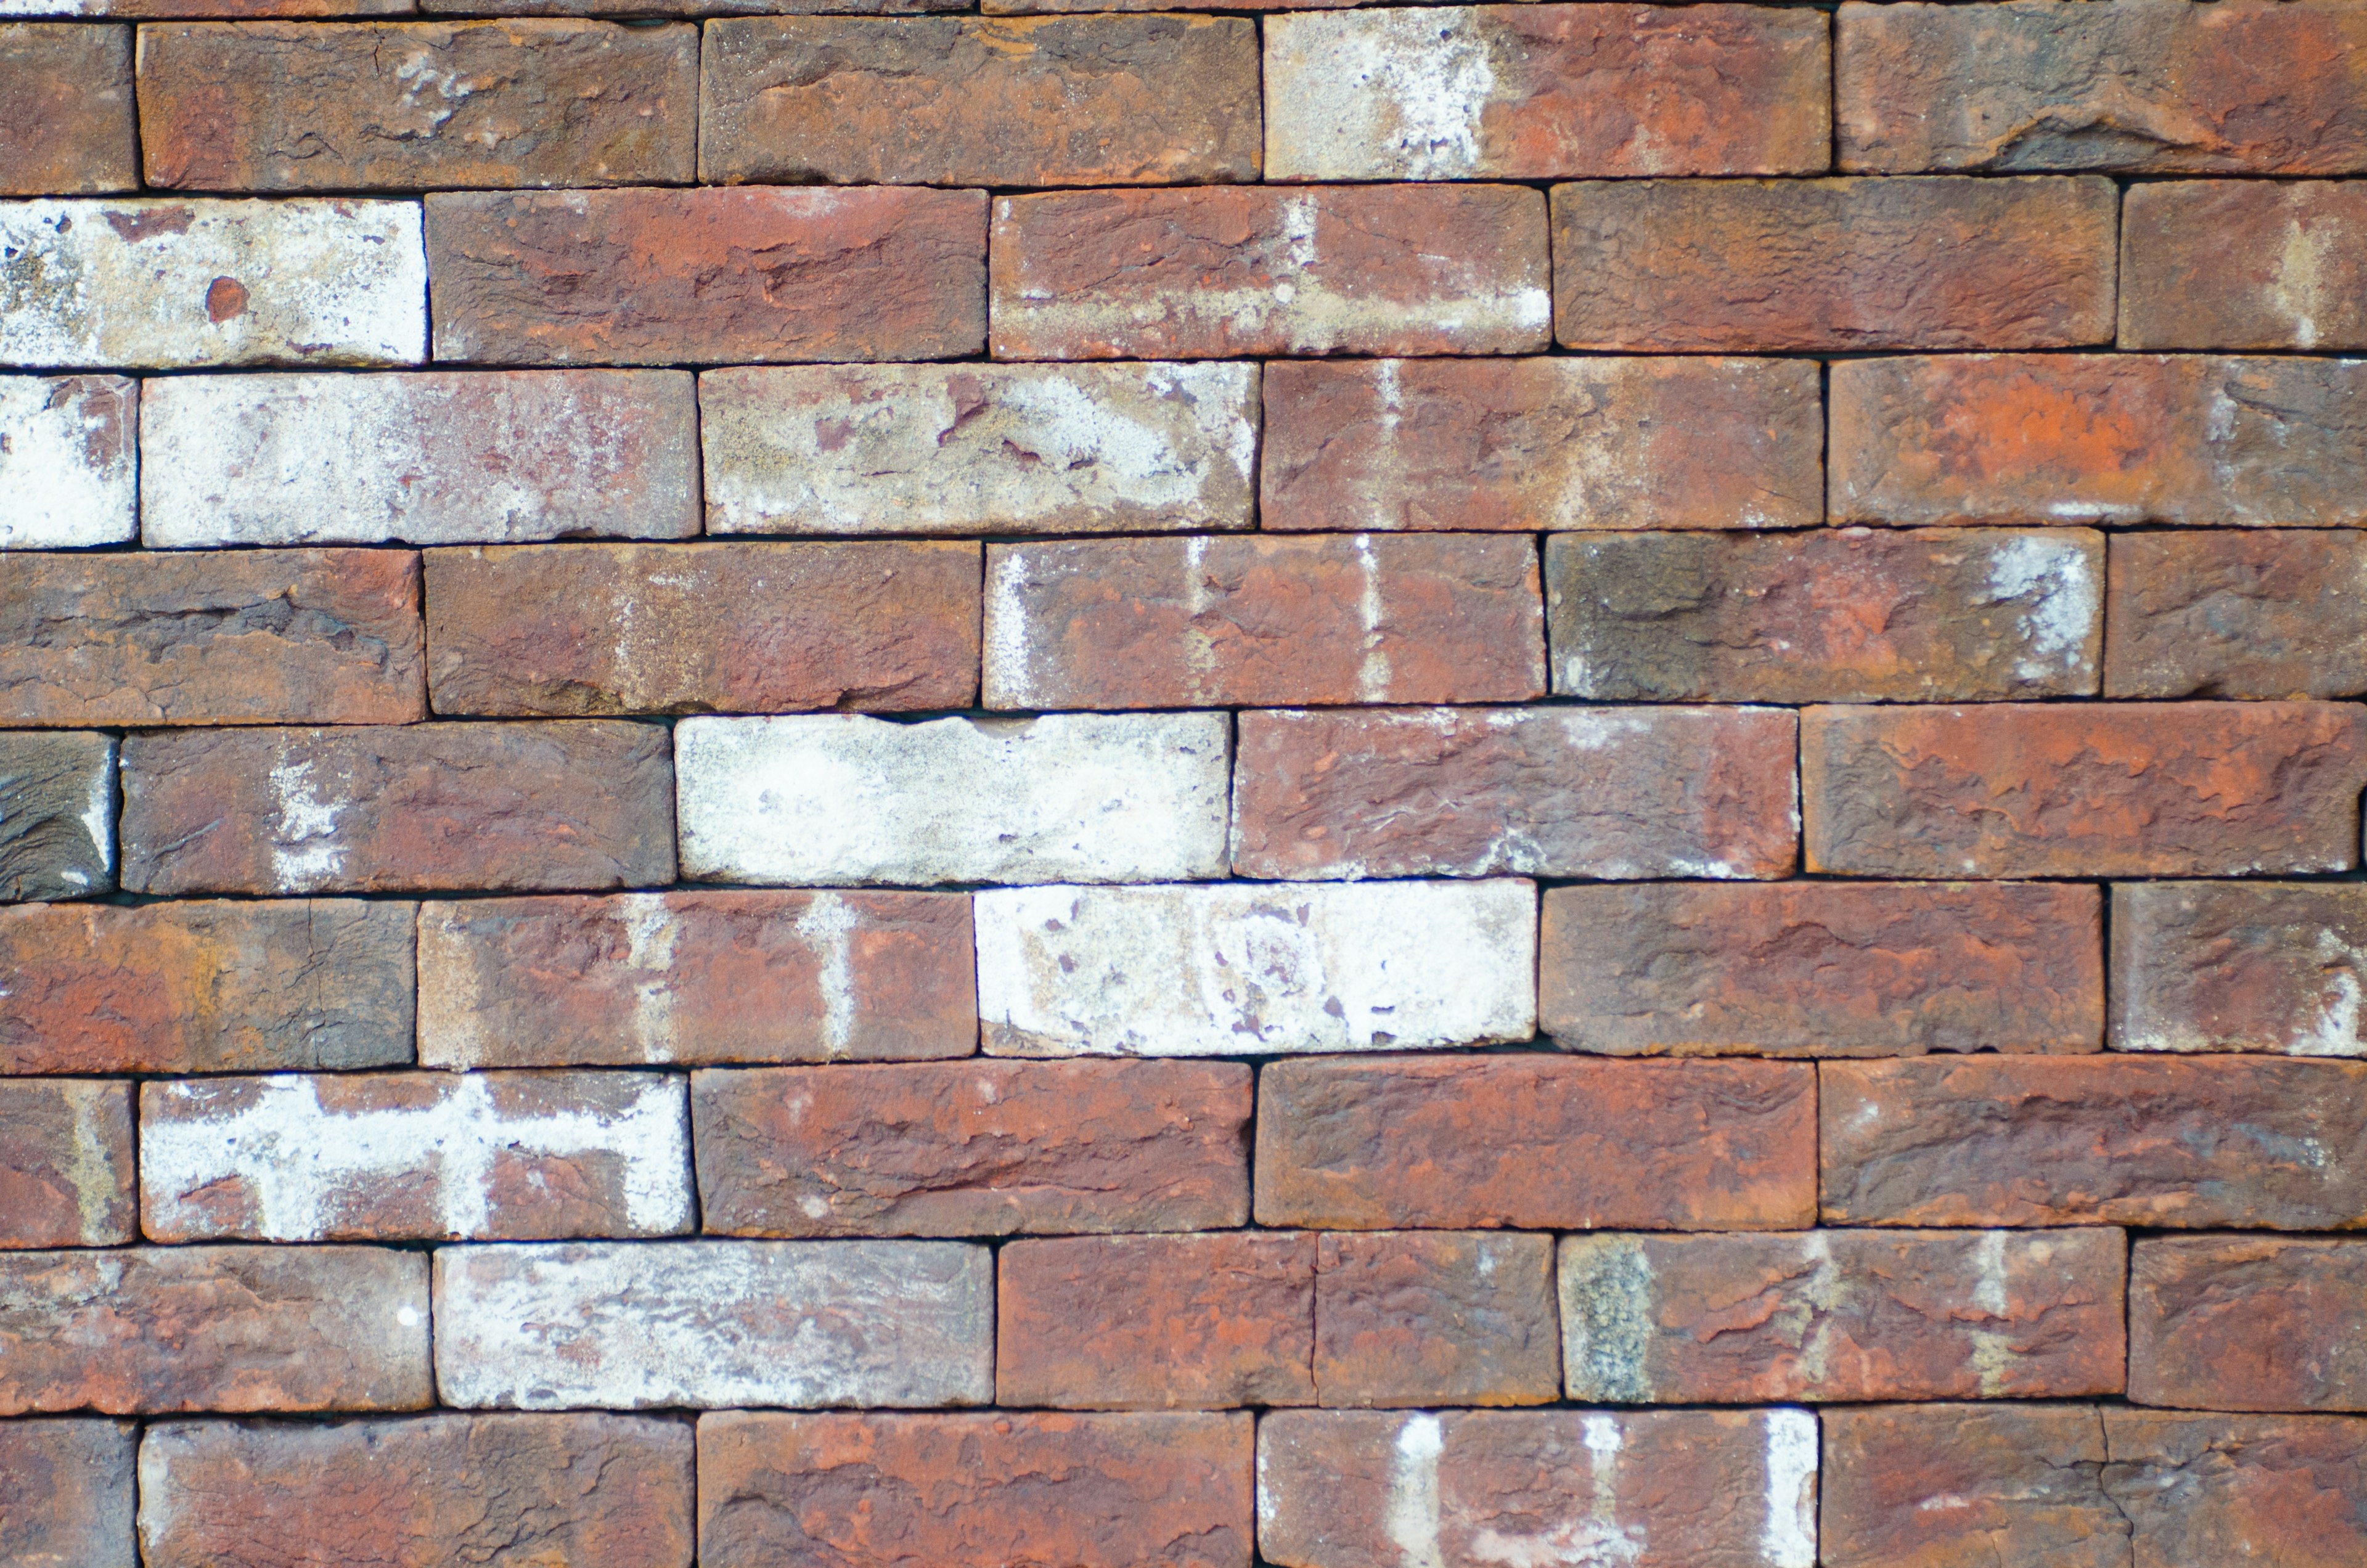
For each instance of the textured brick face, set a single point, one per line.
(2245, 1323)
(58, 800)
(70, 1491)
(1956, 1486)
(65, 1164)
(2227, 264)
(2243, 966)
(68, 127)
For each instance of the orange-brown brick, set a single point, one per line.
(2290, 1490)
(1435, 1317)
(1202, 622)
(2132, 789)
(1750, 265)
(2239, 966)
(70, 1488)
(2278, 613)
(2248, 1323)
(68, 128)
(2244, 264)
(65, 1164)
(1968, 1486)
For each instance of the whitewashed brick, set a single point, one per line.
(1242, 969)
(979, 448)
(179, 284)
(837, 798)
(801, 1325)
(68, 461)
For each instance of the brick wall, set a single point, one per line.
(1521, 786)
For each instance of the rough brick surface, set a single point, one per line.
(2233, 263)
(1969, 1486)
(2239, 966)
(2246, 1322)
(69, 129)
(68, 465)
(1431, 1317)
(58, 801)
(2237, 1488)
(66, 1165)
(2280, 612)
(70, 1491)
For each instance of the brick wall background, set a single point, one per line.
(1530, 787)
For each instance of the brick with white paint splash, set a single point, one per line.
(67, 461)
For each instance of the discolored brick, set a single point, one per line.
(65, 1167)
(2272, 966)
(58, 803)
(2246, 1322)
(69, 127)
(2272, 614)
(638, 8)
(67, 1494)
(1430, 1317)
(2231, 1489)
(228, 9)
(1969, 1486)
(68, 461)
(2245, 263)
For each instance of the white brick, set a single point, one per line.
(979, 448)
(434, 457)
(1242, 969)
(1392, 95)
(68, 464)
(178, 283)
(836, 798)
(801, 1325)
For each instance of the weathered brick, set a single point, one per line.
(132, 10)
(977, 101)
(405, 106)
(637, 1325)
(1640, 1488)
(2189, 1143)
(1313, 618)
(2239, 966)
(840, 798)
(571, 630)
(978, 449)
(873, 1491)
(68, 461)
(696, 976)
(58, 801)
(205, 987)
(1156, 1322)
(69, 126)
(2245, 263)
(1269, 270)
(70, 1491)
(1834, 616)
(266, 636)
(640, 8)
(1843, 1315)
(2248, 1323)
(66, 1165)
(1538, 792)
(2289, 1490)
(1546, 92)
(1235, 970)
(671, 276)
(1537, 443)
(2192, 440)
(1536, 1142)
(587, 1491)
(436, 457)
(1969, 1486)
(2132, 789)
(1822, 969)
(1433, 1317)
(1747, 265)
(973, 1149)
(181, 284)
(238, 1329)
(2277, 612)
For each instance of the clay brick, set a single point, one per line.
(1538, 792)
(642, 8)
(696, 976)
(2245, 263)
(1430, 1317)
(2239, 966)
(1843, 1315)
(973, 1149)
(1640, 1488)
(2287, 1490)
(184, 284)
(435, 457)
(2135, 789)
(1969, 1486)
(69, 126)
(1531, 443)
(232, 10)
(206, 986)
(237, 1329)
(588, 1491)
(1750, 265)
(1269, 270)
(871, 1490)
(1317, 619)
(1822, 969)
(1836, 616)
(1536, 1142)
(1546, 92)
(2246, 1322)
(68, 464)
(979, 448)
(1237, 969)
(405, 106)
(635, 1326)
(670, 277)
(58, 801)
(66, 1165)
(2273, 613)
(840, 798)
(975, 101)
(2186, 1142)
(575, 630)
(276, 637)
(70, 1490)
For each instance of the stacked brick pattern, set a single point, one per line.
(1359, 788)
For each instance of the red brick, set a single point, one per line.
(1200, 622)
(1156, 1322)
(2228, 1489)
(1536, 1142)
(1746, 265)
(974, 1148)
(2248, 1323)
(2239, 966)
(673, 276)
(1546, 792)
(1218, 273)
(2134, 789)
(238, 1329)
(1969, 1486)
(65, 1165)
(972, 101)
(244, 10)
(2184, 1142)
(576, 630)
(2243, 264)
(59, 796)
(67, 1494)
(68, 130)
(865, 1491)
(2266, 614)
(1822, 969)
(552, 805)
(1430, 1317)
